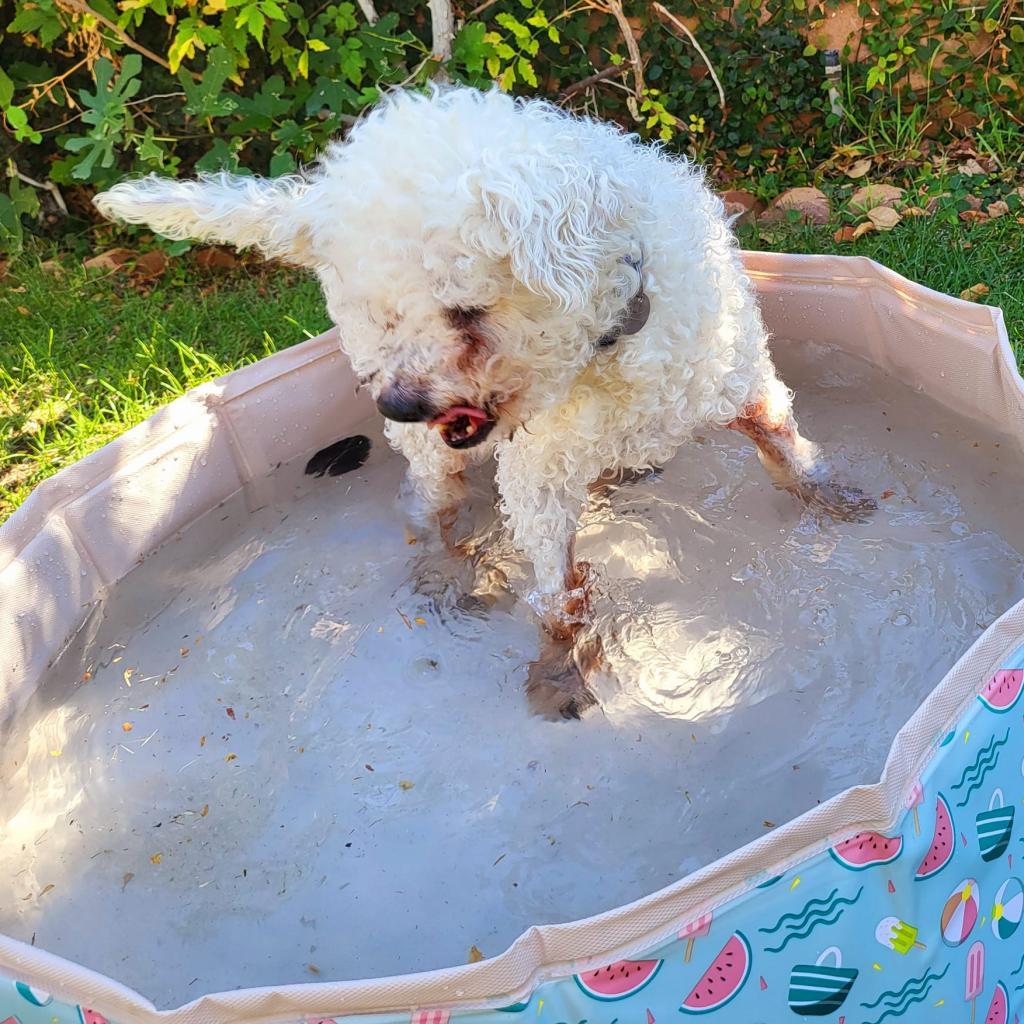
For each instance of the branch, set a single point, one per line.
(615, 7)
(83, 8)
(442, 22)
(480, 8)
(664, 13)
(46, 186)
(366, 6)
(585, 83)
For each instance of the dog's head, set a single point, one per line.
(471, 249)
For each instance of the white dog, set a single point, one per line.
(510, 280)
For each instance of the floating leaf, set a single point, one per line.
(475, 956)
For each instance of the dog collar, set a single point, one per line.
(635, 314)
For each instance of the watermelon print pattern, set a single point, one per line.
(909, 925)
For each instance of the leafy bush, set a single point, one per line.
(93, 89)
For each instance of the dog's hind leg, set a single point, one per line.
(794, 463)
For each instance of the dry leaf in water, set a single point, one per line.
(156, 858)
(975, 292)
(475, 956)
(846, 234)
(884, 218)
(860, 168)
(863, 228)
(406, 784)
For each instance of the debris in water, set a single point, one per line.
(230, 713)
(156, 858)
(205, 811)
(312, 968)
(231, 757)
(47, 888)
(404, 618)
(127, 726)
(128, 876)
(475, 956)
(406, 784)
(202, 741)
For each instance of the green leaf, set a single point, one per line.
(6, 89)
(303, 65)
(553, 34)
(1017, 33)
(990, 25)
(493, 66)
(810, 50)
(470, 47)
(526, 72)
(317, 45)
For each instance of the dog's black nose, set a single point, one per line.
(405, 404)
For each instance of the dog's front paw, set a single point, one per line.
(841, 501)
(559, 682)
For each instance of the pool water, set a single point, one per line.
(293, 747)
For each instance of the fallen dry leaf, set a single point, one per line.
(999, 208)
(972, 167)
(231, 757)
(975, 292)
(863, 228)
(913, 211)
(475, 956)
(811, 203)
(215, 259)
(846, 234)
(860, 168)
(151, 264)
(884, 218)
(52, 267)
(112, 259)
(972, 216)
(23, 310)
(871, 196)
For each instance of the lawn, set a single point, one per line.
(85, 355)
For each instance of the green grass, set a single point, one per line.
(83, 356)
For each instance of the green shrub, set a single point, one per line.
(93, 89)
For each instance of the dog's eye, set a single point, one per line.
(461, 317)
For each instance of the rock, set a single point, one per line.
(871, 196)
(742, 205)
(811, 203)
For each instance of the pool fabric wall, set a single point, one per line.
(896, 900)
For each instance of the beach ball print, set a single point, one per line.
(35, 996)
(960, 913)
(1008, 908)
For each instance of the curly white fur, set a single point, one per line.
(463, 200)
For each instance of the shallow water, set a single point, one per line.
(293, 748)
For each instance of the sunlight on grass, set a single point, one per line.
(83, 358)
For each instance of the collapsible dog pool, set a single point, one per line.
(263, 760)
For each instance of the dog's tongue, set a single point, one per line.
(474, 415)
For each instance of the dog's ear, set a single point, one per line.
(273, 215)
(552, 218)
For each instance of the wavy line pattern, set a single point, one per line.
(975, 774)
(816, 912)
(797, 922)
(917, 990)
(913, 986)
(1019, 968)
